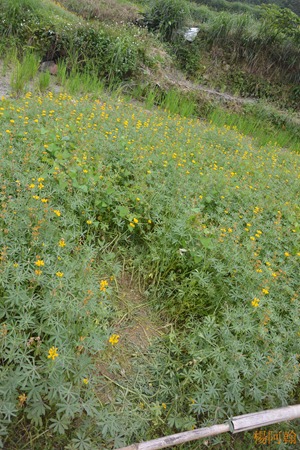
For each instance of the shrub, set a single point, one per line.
(167, 17)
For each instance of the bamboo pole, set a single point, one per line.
(235, 425)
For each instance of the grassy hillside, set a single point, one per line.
(249, 5)
(149, 260)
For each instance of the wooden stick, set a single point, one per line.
(265, 418)
(179, 438)
(235, 425)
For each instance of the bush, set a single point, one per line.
(167, 17)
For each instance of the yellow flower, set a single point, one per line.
(135, 220)
(62, 243)
(22, 399)
(59, 274)
(252, 238)
(89, 222)
(39, 263)
(164, 405)
(265, 291)
(57, 212)
(36, 197)
(287, 254)
(52, 354)
(258, 270)
(41, 179)
(255, 302)
(38, 272)
(31, 186)
(85, 381)
(114, 339)
(131, 225)
(44, 200)
(103, 285)
(16, 265)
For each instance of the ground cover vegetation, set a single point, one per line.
(249, 5)
(206, 220)
(96, 190)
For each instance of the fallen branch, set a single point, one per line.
(235, 425)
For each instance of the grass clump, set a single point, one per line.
(44, 81)
(23, 71)
(166, 17)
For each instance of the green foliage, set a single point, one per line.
(206, 219)
(230, 6)
(82, 83)
(23, 72)
(265, 123)
(17, 15)
(250, 5)
(113, 57)
(103, 10)
(44, 81)
(241, 40)
(172, 100)
(167, 17)
(281, 21)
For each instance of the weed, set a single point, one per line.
(23, 72)
(43, 81)
(166, 17)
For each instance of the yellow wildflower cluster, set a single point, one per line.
(114, 339)
(62, 243)
(52, 354)
(255, 302)
(103, 285)
(39, 263)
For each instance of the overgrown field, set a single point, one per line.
(207, 222)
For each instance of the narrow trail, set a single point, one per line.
(189, 85)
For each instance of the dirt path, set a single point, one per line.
(4, 82)
(190, 86)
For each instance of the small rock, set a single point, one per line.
(49, 66)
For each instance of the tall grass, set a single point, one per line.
(23, 71)
(244, 38)
(263, 125)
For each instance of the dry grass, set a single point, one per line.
(137, 327)
(109, 11)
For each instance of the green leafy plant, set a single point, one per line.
(23, 72)
(167, 17)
